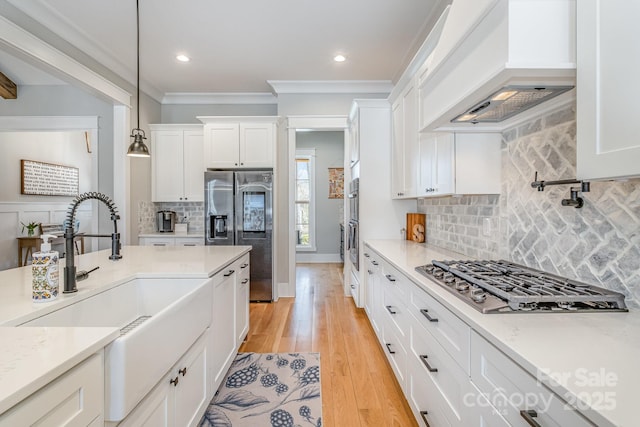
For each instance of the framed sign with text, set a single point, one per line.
(48, 179)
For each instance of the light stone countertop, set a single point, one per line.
(30, 357)
(597, 353)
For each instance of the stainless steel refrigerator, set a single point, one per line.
(238, 208)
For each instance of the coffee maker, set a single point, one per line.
(166, 221)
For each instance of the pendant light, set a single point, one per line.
(138, 147)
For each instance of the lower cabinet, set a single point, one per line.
(242, 300)
(181, 397)
(74, 399)
(171, 241)
(223, 337)
(450, 374)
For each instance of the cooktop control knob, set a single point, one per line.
(462, 286)
(478, 295)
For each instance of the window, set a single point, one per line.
(305, 200)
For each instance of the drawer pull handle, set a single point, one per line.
(229, 273)
(424, 414)
(425, 313)
(529, 416)
(244, 281)
(389, 349)
(369, 271)
(423, 359)
(374, 262)
(159, 244)
(390, 278)
(353, 286)
(188, 244)
(174, 381)
(390, 309)
(183, 371)
(366, 255)
(245, 265)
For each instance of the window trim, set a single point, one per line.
(310, 155)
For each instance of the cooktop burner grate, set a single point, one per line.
(503, 286)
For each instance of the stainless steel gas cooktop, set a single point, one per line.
(506, 287)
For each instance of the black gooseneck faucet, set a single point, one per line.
(69, 235)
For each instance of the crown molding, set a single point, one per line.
(218, 98)
(330, 86)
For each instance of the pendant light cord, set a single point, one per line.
(138, 63)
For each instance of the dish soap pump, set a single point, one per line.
(45, 271)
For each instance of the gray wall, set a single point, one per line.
(598, 244)
(187, 113)
(64, 100)
(329, 154)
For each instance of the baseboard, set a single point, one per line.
(317, 258)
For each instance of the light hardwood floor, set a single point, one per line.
(358, 385)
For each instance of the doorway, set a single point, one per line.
(315, 226)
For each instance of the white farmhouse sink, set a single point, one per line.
(159, 320)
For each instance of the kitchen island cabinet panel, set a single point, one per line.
(74, 399)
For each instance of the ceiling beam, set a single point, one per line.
(8, 89)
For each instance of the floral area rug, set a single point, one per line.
(268, 389)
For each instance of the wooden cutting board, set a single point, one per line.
(416, 227)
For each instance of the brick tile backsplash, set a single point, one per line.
(598, 244)
(193, 211)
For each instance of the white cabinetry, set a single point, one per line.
(74, 399)
(500, 379)
(242, 299)
(223, 337)
(404, 156)
(181, 397)
(239, 142)
(372, 289)
(460, 163)
(608, 58)
(372, 119)
(171, 240)
(177, 163)
(354, 145)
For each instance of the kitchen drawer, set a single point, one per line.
(504, 382)
(448, 378)
(395, 349)
(428, 404)
(394, 309)
(157, 241)
(189, 241)
(395, 279)
(451, 332)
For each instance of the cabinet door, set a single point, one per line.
(427, 169)
(74, 399)
(397, 150)
(445, 164)
(354, 148)
(221, 145)
(167, 157)
(222, 332)
(155, 410)
(193, 153)
(191, 390)
(256, 145)
(242, 309)
(607, 84)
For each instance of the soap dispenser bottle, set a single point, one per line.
(45, 271)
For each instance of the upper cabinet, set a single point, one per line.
(239, 142)
(608, 84)
(404, 155)
(177, 167)
(460, 163)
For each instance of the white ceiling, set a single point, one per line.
(236, 46)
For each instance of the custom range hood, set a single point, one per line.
(496, 59)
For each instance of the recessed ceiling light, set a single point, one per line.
(183, 58)
(339, 58)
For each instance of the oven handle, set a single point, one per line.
(529, 416)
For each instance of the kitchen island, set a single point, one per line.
(577, 365)
(33, 356)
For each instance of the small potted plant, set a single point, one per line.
(31, 227)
